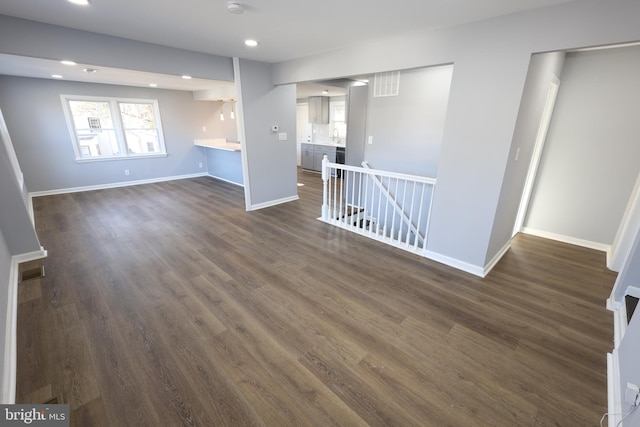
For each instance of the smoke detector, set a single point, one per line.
(235, 8)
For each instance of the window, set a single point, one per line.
(113, 128)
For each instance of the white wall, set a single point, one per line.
(590, 162)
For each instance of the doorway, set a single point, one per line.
(541, 137)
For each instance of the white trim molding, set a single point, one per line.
(455, 263)
(226, 180)
(489, 266)
(9, 363)
(113, 185)
(567, 239)
(272, 203)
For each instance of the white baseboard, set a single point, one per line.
(455, 263)
(113, 185)
(9, 360)
(567, 239)
(272, 203)
(489, 266)
(226, 180)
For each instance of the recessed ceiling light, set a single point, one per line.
(90, 70)
(79, 2)
(153, 85)
(235, 7)
(251, 43)
(56, 76)
(66, 62)
(186, 77)
(325, 92)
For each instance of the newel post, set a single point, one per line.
(325, 184)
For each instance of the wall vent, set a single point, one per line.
(386, 84)
(34, 273)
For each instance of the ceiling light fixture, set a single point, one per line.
(153, 85)
(186, 77)
(251, 43)
(233, 114)
(235, 8)
(90, 70)
(67, 62)
(56, 76)
(79, 2)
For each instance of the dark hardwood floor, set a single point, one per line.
(167, 304)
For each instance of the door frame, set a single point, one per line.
(543, 129)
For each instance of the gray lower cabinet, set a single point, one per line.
(307, 156)
(312, 156)
(319, 154)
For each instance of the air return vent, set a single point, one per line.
(386, 84)
(34, 273)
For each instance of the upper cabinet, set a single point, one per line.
(319, 109)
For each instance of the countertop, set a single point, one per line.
(217, 143)
(326, 144)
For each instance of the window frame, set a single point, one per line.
(118, 125)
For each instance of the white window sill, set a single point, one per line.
(112, 158)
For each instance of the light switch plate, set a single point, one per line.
(282, 136)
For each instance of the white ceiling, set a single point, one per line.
(285, 29)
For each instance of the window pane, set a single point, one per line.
(104, 128)
(85, 112)
(141, 141)
(139, 128)
(137, 116)
(100, 144)
(94, 128)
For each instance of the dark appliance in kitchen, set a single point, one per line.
(340, 158)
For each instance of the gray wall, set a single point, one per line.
(226, 165)
(590, 162)
(629, 347)
(34, 115)
(5, 268)
(491, 60)
(356, 125)
(272, 171)
(29, 38)
(17, 237)
(543, 68)
(407, 129)
(15, 224)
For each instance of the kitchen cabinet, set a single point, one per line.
(319, 153)
(307, 156)
(312, 156)
(319, 109)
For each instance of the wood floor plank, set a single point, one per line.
(170, 304)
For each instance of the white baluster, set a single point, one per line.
(325, 179)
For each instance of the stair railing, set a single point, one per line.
(389, 207)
